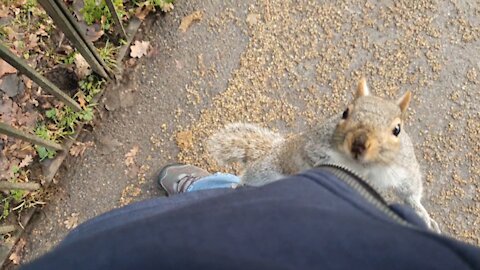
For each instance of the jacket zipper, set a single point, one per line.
(366, 190)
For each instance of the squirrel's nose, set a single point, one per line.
(358, 145)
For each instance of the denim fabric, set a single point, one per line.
(218, 180)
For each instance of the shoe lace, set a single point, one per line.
(185, 182)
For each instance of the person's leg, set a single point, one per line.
(306, 221)
(180, 178)
(214, 181)
(138, 211)
(175, 178)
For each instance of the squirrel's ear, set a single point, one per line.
(404, 101)
(362, 88)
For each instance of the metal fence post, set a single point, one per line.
(64, 20)
(46, 85)
(118, 21)
(10, 131)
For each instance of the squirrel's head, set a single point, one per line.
(370, 128)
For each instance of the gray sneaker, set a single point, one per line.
(176, 178)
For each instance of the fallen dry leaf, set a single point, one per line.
(3, 11)
(72, 221)
(32, 41)
(41, 31)
(78, 148)
(16, 255)
(188, 20)
(12, 85)
(26, 161)
(139, 49)
(93, 34)
(167, 7)
(6, 68)
(142, 11)
(82, 67)
(130, 156)
(27, 81)
(81, 100)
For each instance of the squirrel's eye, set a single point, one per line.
(345, 114)
(396, 130)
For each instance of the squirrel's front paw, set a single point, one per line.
(433, 225)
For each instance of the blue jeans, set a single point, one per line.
(218, 180)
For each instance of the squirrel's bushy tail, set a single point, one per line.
(240, 142)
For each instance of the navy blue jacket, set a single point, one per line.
(308, 221)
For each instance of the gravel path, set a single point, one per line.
(287, 65)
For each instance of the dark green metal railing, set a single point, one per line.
(64, 21)
(62, 18)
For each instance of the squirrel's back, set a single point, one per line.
(241, 142)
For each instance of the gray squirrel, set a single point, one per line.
(369, 139)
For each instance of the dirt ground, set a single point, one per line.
(287, 65)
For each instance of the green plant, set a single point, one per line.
(42, 131)
(155, 3)
(91, 86)
(17, 200)
(17, 194)
(63, 121)
(97, 11)
(160, 3)
(3, 32)
(69, 59)
(66, 119)
(30, 6)
(6, 207)
(108, 53)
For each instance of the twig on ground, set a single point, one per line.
(5, 185)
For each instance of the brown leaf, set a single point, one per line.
(93, 34)
(41, 31)
(5, 68)
(26, 161)
(78, 148)
(82, 67)
(12, 85)
(82, 101)
(130, 156)
(139, 49)
(142, 11)
(7, 109)
(32, 41)
(27, 81)
(16, 255)
(72, 221)
(3, 11)
(167, 7)
(188, 20)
